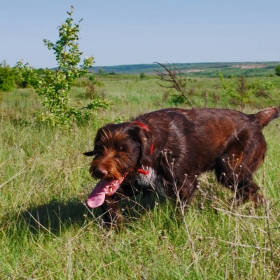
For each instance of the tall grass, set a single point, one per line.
(48, 232)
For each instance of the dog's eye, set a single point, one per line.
(122, 148)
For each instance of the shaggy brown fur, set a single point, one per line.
(168, 149)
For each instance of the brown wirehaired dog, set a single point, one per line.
(168, 149)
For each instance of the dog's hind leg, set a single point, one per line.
(236, 167)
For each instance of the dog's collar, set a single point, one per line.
(144, 126)
(143, 171)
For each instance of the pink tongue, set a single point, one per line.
(97, 196)
(103, 188)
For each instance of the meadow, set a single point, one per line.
(48, 232)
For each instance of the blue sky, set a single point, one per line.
(120, 32)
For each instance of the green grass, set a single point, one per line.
(47, 231)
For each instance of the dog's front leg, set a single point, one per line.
(184, 191)
(113, 216)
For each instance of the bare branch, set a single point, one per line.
(174, 77)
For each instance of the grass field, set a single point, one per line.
(48, 232)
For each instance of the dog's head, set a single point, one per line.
(118, 150)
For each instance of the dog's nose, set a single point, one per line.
(100, 172)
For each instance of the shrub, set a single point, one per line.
(142, 76)
(277, 70)
(54, 86)
(8, 77)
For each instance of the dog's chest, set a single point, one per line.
(147, 180)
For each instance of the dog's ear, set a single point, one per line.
(89, 154)
(144, 139)
(96, 139)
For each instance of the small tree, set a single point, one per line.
(262, 89)
(101, 71)
(277, 70)
(240, 91)
(54, 86)
(237, 89)
(91, 88)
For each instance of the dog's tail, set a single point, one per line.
(267, 115)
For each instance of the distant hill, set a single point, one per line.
(194, 69)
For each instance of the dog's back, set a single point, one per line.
(220, 115)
